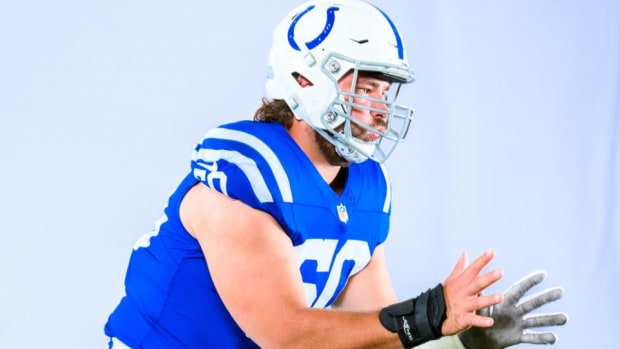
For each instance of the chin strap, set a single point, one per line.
(352, 155)
(349, 153)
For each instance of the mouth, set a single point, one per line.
(370, 137)
(363, 135)
(374, 136)
(367, 138)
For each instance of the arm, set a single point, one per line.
(370, 289)
(253, 265)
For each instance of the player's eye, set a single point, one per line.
(363, 91)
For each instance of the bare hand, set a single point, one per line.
(463, 294)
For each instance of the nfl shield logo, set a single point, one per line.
(342, 213)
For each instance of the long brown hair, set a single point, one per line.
(275, 110)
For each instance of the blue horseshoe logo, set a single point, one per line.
(329, 23)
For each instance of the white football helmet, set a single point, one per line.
(322, 40)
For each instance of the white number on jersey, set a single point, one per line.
(323, 251)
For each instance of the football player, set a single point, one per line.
(275, 238)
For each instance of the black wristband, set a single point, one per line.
(417, 320)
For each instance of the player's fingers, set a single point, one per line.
(539, 299)
(539, 338)
(479, 263)
(458, 268)
(485, 302)
(544, 320)
(478, 320)
(469, 280)
(518, 289)
(485, 311)
(481, 283)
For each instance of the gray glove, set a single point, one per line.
(512, 318)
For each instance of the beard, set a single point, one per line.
(329, 151)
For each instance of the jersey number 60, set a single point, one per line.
(329, 261)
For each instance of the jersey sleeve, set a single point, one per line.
(237, 164)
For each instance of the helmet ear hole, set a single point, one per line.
(302, 80)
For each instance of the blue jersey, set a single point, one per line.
(171, 301)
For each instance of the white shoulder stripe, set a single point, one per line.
(247, 165)
(281, 177)
(388, 189)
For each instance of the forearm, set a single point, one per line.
(321, 328)
(406, 324)
(337, 329)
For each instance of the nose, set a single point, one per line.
(380, 109)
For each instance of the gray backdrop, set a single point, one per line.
(514, 146)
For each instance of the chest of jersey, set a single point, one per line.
(334, 235)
